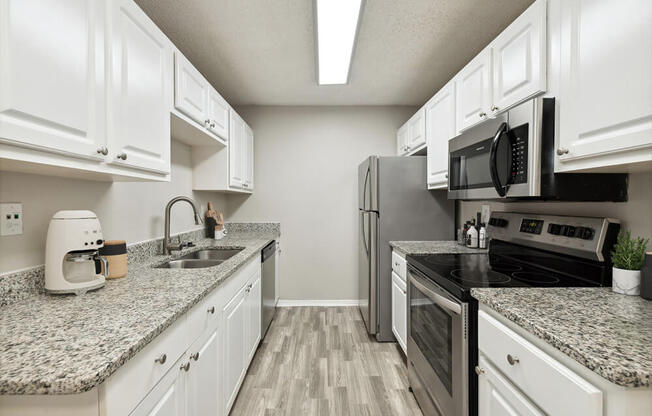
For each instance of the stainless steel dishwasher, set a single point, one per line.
(269, 287)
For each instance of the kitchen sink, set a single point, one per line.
(212, 254)
(189, 264)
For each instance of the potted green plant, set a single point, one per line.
(627, 258)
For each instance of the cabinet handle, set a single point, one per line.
(479, 371)
(494, 108)
(103, 150)
(212, 124)
(482, 114)
(185, 367)
(207, 122)
(562, 151)
(161, 359)
(122, 156)
(512, 360)
(446, 175)
(211, 310)
(405, 292)
(195, 357)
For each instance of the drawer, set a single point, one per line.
(127, 387)
(204, 315)
(549, 384)
(399, 265)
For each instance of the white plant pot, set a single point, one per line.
(627, 282)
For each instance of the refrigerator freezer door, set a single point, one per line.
(368, 268)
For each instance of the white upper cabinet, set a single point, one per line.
(519, 59)
(248, 156)
(402, 140)
(236, 146)
(605, 85)
(190, 90)
(52, 76)
(416, 131)
(138, 110)
(218, 114)
(473, 86)
(440, 128)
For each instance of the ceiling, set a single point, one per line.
(263, 51)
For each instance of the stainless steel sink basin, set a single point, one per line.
(213, 254)
(189, 264)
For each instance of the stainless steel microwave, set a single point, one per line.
(513, 156)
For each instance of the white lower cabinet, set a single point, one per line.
(498, 397)
(399, 311)
(203, 375)
(168, 397)
(234, 346)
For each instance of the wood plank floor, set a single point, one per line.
(320, 361)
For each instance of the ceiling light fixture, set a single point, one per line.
(337, 29)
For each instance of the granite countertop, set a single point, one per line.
(70, 344)
(432, 247)
(609, 333)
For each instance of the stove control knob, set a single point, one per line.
(553, 229)
(587, 234)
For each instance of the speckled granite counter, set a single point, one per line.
(71, 344)
(608, 333)
(432, 247)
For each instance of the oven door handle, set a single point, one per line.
(440, 300)
(493, 163)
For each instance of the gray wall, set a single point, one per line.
(131, 211)
(635, 214)
(306, 161)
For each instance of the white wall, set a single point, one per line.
(635, 214)
(306, 161)
(132, 211)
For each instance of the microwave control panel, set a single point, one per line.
(519, 156)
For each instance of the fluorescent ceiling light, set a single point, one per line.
(337, 26)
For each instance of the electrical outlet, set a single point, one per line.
(486, 213)
(11, 219)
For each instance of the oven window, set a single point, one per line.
(469, 167)
(431, 328)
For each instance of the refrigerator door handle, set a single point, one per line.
(364, 192)
(362, 230)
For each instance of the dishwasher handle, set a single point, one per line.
(269, 250)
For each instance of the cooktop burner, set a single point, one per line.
(473, 276)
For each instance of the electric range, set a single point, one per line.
(525, 250)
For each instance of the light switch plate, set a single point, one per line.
(11, 218)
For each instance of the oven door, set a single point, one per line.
(499, 158)
(437, 347)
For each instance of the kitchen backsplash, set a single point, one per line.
(22, 283)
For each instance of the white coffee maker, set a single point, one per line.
(72, 262)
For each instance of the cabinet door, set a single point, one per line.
(416, 130)
(254, 311)
(606, 87)
(218, 114)
(399, 311)
(519, 59)
(497, 396)
(248, 159)
(440, 128)
(168, 397)
(203, 386)
(401, 140)
(473, 91)
(52, 75)
(190, 90)
(233, 357)
(139, 106)
(236, 142)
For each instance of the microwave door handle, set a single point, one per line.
(493, 163)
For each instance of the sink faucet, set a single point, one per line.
(168, 247)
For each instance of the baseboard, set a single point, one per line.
(289, 303)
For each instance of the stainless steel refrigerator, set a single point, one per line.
(394, 204)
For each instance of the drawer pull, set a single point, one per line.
(185, 367)
(195, 356)
(211, 310)
(479, 371)
(512, 360)
(161, 359)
